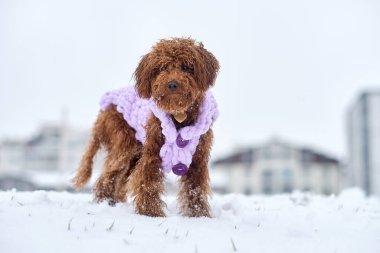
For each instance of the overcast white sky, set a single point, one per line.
(288, 68)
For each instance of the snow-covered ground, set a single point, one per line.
(64, 222)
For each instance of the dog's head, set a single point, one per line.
(175, 73)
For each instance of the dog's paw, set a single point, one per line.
(78, 182)
(150, 212)
(197, 211)
(149, 206)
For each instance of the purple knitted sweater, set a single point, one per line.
(179, 147)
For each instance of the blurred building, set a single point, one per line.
(55, 148)
(12, 156)
(45, 160)
(277, 167)
(363, 128)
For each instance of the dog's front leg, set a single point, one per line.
(195, 185)
(147, 181)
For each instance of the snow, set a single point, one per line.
(299, 222)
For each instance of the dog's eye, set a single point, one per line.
(186, 68)
(164, 68)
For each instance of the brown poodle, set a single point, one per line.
(176, 75)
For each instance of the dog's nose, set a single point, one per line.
(172, 86)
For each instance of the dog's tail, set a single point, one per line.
(85, 167)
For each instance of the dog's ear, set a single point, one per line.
(207, 69)
(144, 75)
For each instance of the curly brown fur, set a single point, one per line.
(133, 169)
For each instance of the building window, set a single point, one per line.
(306, 189)
(285, 153)
(287, 179)
(266, 182)
(247, 181)
(326, 191)
(266, 153)
(247, 191)
(326, 180)
(306, 177)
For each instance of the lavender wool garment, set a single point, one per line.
(179, 147)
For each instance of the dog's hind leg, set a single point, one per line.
(112, 182)
(104, 187)
(121, 145)
(121, 180)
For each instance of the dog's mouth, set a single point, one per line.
(175, 104)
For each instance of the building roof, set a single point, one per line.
(251, 154)
(312, 156)
(241, 156)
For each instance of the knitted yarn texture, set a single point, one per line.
(180, 145)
